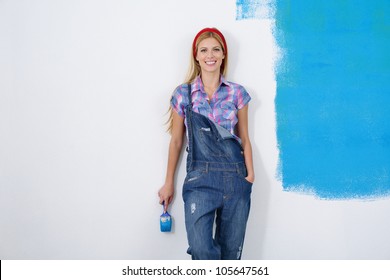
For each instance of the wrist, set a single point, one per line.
(169, 180)
(169, 184)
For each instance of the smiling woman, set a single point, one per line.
(220, 174)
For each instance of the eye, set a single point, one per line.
(203, 50)
(217, 49)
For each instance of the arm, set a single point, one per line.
(166, 192)
(242, 129)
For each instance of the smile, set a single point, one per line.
(210, 62)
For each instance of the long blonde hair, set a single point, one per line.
(194, 67)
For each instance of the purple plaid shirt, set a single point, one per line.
(223, 106)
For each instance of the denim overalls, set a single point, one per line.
(215, 189)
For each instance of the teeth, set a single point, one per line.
(210, 62)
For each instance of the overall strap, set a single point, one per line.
(190, 135)
(189, 95)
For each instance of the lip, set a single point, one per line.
(211, 62)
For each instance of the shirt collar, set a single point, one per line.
(224, 81)
(197, 84)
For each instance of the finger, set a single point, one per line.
(161, 200)
(166, 204)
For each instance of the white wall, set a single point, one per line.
(84, 86)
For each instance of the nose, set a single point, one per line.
(210, 53)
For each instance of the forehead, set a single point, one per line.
(209, 42)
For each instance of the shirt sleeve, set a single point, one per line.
(178, 101)
(243, 97)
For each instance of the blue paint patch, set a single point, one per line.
(254, 9)
(333, 97)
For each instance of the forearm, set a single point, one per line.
(246, 144)
(173, 158)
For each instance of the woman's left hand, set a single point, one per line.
(250, 179)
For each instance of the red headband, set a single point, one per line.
(213, 30)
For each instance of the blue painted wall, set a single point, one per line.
(254, 9)
(333, 96)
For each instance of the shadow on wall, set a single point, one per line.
(256, 229)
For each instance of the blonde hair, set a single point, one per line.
(194, 69)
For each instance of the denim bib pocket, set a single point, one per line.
(208, 139)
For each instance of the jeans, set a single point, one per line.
(221, 193)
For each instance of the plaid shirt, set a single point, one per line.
(223, 106)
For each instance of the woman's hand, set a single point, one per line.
(250, 178)
(166, 194)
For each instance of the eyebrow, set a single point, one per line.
(211, 47)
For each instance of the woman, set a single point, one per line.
(214, 114)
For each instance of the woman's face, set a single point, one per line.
(210, 55)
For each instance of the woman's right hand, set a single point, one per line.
(166, 194)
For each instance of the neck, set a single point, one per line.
(211, 80)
